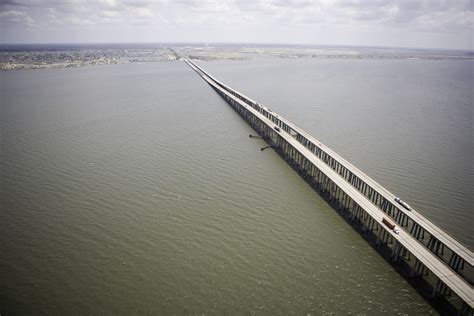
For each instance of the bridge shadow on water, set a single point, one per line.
(416, 275)
(344, 198)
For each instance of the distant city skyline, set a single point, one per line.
(397, 23)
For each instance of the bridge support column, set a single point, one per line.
(439, 290)
(341, 201)
(465, 310)
(418, 269)
(395, 256)
(456, 262)
(382, 238)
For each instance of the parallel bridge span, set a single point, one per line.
(366, 201)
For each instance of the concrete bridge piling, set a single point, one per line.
(438, 265)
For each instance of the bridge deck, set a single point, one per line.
(425, 223)
(451, 243)
(441, 270)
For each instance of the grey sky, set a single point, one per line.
(405, 23)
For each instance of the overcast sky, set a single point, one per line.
(402, 23)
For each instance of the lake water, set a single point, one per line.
(406, 123)
(135, 188)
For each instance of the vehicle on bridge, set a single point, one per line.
(443, 256)
(402, 203)
(391, 225)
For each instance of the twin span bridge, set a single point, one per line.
(436, 263)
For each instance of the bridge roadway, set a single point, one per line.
(377, 193)
(433, 263)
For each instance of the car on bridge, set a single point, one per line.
(402, 203)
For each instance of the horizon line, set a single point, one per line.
(234, 43)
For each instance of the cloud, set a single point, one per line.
(452, 20)
(16, 17)
(224, 20)
(141, 12)
(426, 14)
(423, 13)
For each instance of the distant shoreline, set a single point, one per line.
(41, 56)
